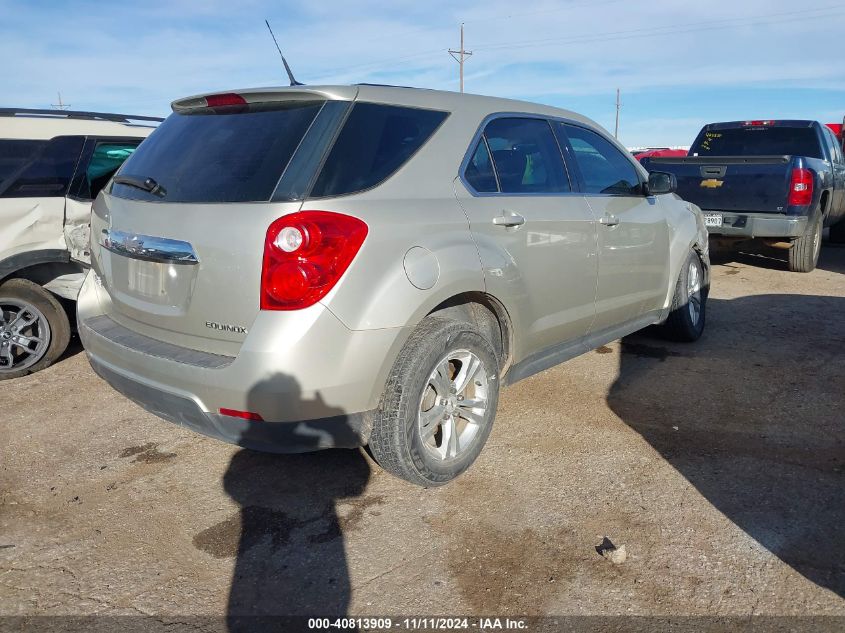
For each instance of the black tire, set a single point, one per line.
(396, 442)
(27, 293)
(804, 254)
(685, 324)
(837, 233)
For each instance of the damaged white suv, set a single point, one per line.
(52, 165)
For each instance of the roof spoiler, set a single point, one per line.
(266, 96)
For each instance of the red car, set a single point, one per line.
(659, 152)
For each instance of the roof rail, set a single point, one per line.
(74, 114)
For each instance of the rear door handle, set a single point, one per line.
(609, 220)
(509, 218)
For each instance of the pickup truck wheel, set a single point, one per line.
(688, 313)
(804, 254)
(439, 403)
(34, 328)
(837, 232)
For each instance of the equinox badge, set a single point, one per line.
(225, 327)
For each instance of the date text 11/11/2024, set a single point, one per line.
(419, 623)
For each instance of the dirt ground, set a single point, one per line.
(719, 465)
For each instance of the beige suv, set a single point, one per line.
(310, 267)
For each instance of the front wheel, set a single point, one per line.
(688, 313)
(34, 328)
(804, 253)
(439, 403)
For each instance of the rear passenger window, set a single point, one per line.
(526, 156)
(604, 168)
(15, 154)
(47, 173)
(479, 171)
(375, 142)
(104, 161)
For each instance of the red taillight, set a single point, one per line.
(801, 188)
(246, 415)
(758, 123)
(305, 254)
(227, 99)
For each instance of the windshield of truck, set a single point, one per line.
(758, 141)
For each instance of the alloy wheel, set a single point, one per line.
(694, 292)
(24, 335)
(454, 405)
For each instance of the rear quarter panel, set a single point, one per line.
(415, 208)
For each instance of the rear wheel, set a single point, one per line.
(688, 313)
(804, 254)
(34, 328)
(837, 232)
(438, 405)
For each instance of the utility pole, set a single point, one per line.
(60, 105)
(461, 54)
(618, 105)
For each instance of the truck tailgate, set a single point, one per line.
(758, 184)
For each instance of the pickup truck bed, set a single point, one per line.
(740, 196)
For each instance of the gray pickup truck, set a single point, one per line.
(780, 182)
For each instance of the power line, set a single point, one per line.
(461, 54)
(618, 106)
(60, 105)
(525, 14)
(671, 29)
(439, 51)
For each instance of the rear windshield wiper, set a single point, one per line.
(145, 184)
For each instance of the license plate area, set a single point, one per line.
(713, 219)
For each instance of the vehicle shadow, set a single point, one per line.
(752, 416)
(291, 559)
(831, 258)
(74, 347)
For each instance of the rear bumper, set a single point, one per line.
(338, 431)
(737, 224)
(313, 381)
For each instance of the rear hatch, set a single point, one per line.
(178, 238)
(743, 165)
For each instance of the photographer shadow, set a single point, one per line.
(288, 534)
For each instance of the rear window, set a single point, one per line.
(375, 142)
(758, 141)
(219, 155)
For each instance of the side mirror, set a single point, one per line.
(660, 182)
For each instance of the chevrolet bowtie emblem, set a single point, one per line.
(712, 183)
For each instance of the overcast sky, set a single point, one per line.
(679, 63)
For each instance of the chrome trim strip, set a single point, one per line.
(148, 248)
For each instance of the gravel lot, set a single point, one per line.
(719, 465)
